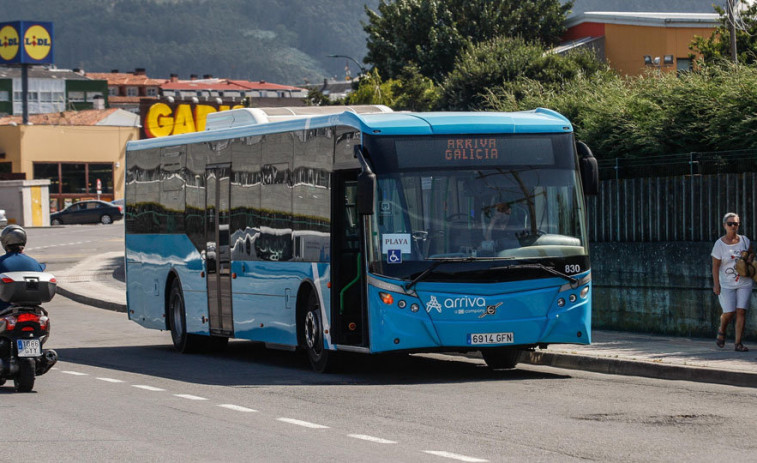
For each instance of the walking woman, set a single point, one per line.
(734, 291)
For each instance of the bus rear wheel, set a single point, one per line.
(321, 359)
(177, 318)
(501, 358)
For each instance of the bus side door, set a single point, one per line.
(217, 249)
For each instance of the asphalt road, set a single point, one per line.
(120, 393)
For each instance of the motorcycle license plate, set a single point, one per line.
(29, 347)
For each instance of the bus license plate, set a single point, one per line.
(29, 347)
(490, 338)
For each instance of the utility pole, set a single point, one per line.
(732, 29)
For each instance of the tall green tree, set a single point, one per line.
(431, 33)
(512, 65)
(717, 46)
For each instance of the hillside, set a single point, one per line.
(283, 41)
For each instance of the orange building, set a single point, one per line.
(634, 42)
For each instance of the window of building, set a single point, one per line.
(92, 96)
(46, 97)
(48, 170)
(132, 91)
(683, 64)
(76, 96)
(151, 91)
(34, 96)
(4, 95)
(112, 91)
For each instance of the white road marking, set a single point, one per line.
(110, 380)
(454, 456)
(377, 440)
(75, 373)
(190, 397)
(302, 423)
(237, 408)
(148, 388)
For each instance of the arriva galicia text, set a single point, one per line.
(463, 149)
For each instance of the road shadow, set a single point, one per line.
(245, 363)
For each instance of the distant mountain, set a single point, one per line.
(282, 41)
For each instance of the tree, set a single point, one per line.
(414, 92)
(512, 65)
(431, 33)
(372, 90)
(717, 46)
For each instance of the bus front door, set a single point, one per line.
(347, 273)
(217, 249)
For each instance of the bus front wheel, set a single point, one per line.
(321, 359)
(501, 358)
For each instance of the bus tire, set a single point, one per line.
(177, 318)
(503, 358)
(320, 358)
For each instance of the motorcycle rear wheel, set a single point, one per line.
(24, 380)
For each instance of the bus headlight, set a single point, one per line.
(560, 302)
(414, 307)
(584, 292)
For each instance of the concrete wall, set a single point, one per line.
(663, 287)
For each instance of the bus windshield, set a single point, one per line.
(486, 214)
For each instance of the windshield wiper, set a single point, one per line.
(573, 281)
(436, 262)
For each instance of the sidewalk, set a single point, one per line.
(98, 281)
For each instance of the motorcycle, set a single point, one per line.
(24, 328)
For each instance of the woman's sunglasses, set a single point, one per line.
(732, 224)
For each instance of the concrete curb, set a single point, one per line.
(94, 302)
(626, 367)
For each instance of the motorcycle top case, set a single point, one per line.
(27, 288)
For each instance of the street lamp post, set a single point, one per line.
(362, 69)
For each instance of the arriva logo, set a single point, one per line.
(455, 303)
(37, 42)
(464, 302)
(8, 43)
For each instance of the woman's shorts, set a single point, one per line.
(734, 298)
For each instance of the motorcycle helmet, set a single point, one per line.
(13, 236)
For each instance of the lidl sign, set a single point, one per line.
(26, 42)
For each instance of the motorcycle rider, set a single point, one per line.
(13, 239)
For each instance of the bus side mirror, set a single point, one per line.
(589, 169)
(366, 187)
(366, 184)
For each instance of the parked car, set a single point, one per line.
(118, 202)
(3, 218)
(87, 212)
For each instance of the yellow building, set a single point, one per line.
(632, 43)
(71, 149)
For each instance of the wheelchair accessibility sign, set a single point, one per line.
(394, 256)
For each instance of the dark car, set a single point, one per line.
(87, 212)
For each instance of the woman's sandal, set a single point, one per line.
(741, 348)
(720, 341)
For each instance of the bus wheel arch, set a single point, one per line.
(310, 329)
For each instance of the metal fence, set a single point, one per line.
(698, 163)
(676, 208)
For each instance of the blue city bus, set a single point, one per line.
(359, 229)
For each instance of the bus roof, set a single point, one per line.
(249, 122)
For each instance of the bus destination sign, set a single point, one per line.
(464, 149)
(471, 150)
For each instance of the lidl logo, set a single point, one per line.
(26, 42)
(37, 42)
(8, 42)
